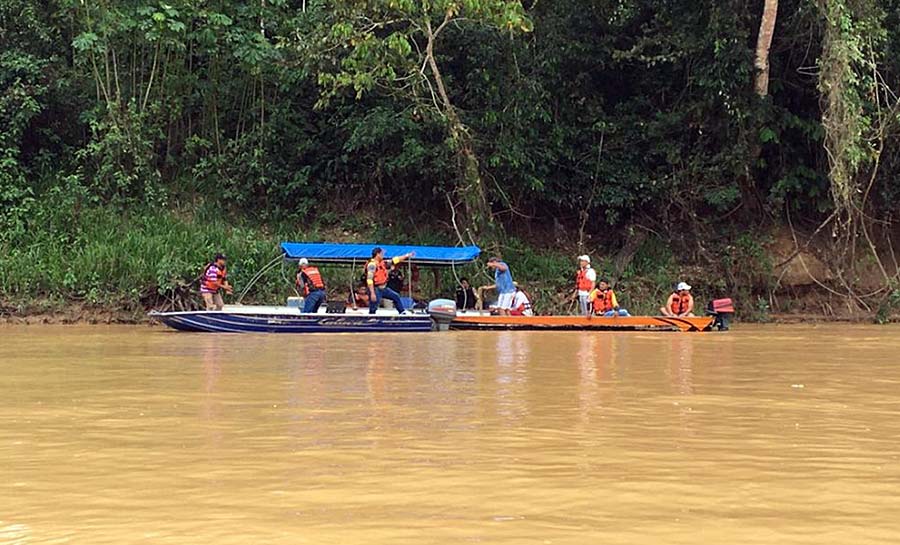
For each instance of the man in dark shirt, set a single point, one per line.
(395, 278)
(465, 295)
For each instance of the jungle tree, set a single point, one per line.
(394, 46)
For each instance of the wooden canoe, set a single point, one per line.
(581, 323)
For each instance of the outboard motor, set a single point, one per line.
(442, 311)
(722, 310)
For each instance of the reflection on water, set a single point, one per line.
(763, 435)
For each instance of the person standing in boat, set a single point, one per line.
(465, 295)
(377, 279)
(213, 282)
(680, 303)
(396, 278)
(503, 283)
(585, 282)
(604, 302)
(310, 284)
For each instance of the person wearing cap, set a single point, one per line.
(680, 303)
(310, 284)
(585, 281)
(503, 283)
(213, 282)
(377, 279)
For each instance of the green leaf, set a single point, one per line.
(767, 135)
(85, 41)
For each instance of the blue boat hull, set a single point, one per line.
(228, 322)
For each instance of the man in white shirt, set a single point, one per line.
(585, 281)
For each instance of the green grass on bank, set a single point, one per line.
(115, 259)
(111, 258)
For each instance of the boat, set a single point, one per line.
(484, 321)
(284, 319)
(441, 314)
(334, 317)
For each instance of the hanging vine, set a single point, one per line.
(856, 120)
(842, 81)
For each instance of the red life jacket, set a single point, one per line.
(581, 280)
(603, 303)
(523, 307)
(212, 279)
(314, 277)
(381, 273)
(680, 304)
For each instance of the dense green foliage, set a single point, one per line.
(133, 134)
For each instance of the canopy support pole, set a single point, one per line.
(266, 268)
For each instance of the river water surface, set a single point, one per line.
(765, 435)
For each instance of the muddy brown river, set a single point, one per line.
(764, 435)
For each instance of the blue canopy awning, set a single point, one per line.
(348, 254)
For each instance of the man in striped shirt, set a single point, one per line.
(213, 283)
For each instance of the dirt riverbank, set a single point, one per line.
(54, 312)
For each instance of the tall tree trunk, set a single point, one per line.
(750, 199)
(470, 187)
(763, 44)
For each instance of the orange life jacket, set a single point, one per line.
(581, 280)
(212, 279)
(680, 304)
(381, 273)
(603, 302)
(314, 277)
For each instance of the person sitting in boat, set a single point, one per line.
(310, 284)
(359, 298)
(465, 295)
(376, 280)
(213, 282)
(604, 302)
(503, 283)
(680, 303)
(585, 282)
(521, 305)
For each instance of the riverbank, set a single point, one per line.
(70, 313)
(95, 265)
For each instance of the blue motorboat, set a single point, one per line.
(289, 318)
(258, 319)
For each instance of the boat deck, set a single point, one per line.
(631, 323)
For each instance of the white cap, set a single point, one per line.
(304, 261)
(584, 258)
(683, 286)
